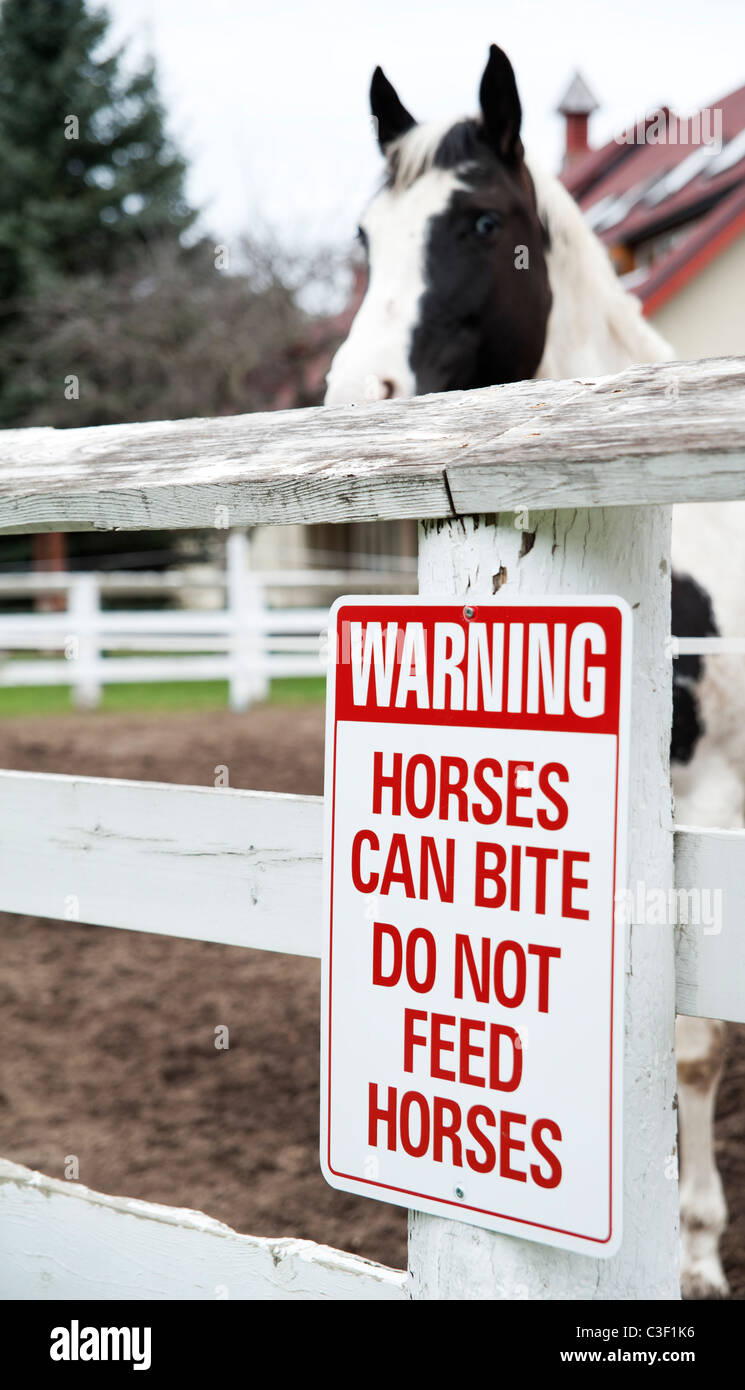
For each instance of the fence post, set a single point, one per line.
(245, 604)
(614, 550)
(82, 643)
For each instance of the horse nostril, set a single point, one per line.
(388, 389)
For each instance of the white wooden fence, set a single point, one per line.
(596, 464)
(247, 642)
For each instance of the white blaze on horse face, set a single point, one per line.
(373, 363)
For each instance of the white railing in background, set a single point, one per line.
(247, 642)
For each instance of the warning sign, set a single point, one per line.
(473, 986)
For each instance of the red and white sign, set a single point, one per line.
(473, 975)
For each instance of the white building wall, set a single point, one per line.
(706, 318)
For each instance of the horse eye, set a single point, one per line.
(487, 223)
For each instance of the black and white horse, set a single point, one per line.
(482, 270)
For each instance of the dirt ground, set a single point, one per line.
(108, 1036)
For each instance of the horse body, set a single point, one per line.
(482, 271)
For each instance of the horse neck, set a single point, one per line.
(594, 326)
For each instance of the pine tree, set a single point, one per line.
(86, 169)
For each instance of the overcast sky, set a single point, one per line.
(268, 98)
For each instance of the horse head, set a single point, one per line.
(458, 292)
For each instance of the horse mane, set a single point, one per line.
(595, 325)
(429, 145)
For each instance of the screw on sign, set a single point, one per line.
(476, 775)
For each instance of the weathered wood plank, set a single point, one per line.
(710, 869)
(664, 432)
(60, 1240)
(211, 864)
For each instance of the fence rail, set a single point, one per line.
(146, 582)
(664, 432)
(94, 1245)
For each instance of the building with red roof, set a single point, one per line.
(667, 197)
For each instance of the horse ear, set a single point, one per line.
(500, 106)
(391, 117)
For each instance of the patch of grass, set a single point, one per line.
(288, 690)
(168, 697)
(36, 699)
(154, 697)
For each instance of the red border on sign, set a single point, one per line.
(480, 718)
